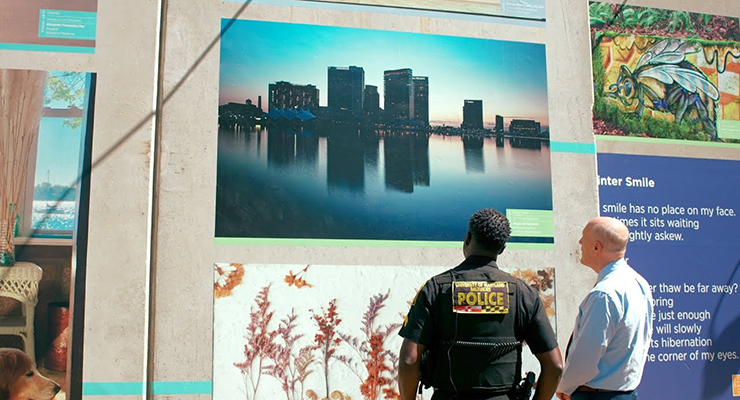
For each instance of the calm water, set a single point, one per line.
(280, 183)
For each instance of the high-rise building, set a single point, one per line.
(346, 85)
(421, 99)
(499, 123)
(287, 95)
(525, 127)
(398, 94)
(473, 114)
(371, 101)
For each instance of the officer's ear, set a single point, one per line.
(468, 238)
(502, 250)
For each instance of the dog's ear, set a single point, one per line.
(13, 363)
(8, 366)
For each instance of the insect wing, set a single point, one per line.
(670, 51)
(692, 81)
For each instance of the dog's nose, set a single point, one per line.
(57, 388)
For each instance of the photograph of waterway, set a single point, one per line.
(371, 184)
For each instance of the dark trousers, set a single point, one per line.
(443, 395)
(604, 395)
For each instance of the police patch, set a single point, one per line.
(480, 297)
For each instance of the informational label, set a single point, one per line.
(683, 219)
(530, 223)
(534, 9)
(48, 26)
(728, 129)
(67, 24)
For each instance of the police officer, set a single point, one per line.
(472, 320)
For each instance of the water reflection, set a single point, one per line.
(473, 146)
(406, 161)
(370, 184)
(345, 161)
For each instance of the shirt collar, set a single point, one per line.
(476, 261)
(611, 267)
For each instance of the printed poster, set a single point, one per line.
(42, 134)
(307, 332)
(343, 134)
(683, 219)
(663, 74)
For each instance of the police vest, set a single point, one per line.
(475, 349)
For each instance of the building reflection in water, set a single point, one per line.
(406, 161)
(345, 161)
(286, 147)
(473, 150)
(351, 153)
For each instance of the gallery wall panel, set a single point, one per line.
(190, 160)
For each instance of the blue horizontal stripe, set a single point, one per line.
(49, 48)
(138, 388)
(573, 147)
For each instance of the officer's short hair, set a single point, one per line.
(490, 229)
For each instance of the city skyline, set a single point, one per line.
(509, 77)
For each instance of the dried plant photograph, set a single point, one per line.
(277, 336)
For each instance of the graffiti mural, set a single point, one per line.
(665, 74)
(309, 332)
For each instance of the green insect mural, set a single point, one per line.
(663, 80)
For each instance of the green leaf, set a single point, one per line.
(594, 21)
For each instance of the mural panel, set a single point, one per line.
(354, 134)
(44, 120)
(665, 74)
(320, 331)
(684, 243)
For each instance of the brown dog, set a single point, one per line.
(19, 379)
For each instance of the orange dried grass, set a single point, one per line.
(21, 105)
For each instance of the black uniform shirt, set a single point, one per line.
(534, 326)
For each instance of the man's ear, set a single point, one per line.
(502, 249)
(468, 238)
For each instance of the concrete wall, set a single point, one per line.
(169, 329)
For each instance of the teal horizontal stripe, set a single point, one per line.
(49, 48)
(138, 388)
(573, 147)
(112, 388)
(193, 387)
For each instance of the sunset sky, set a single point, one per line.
(510, 77)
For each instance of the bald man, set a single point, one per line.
(611, 339)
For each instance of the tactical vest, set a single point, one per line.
(475, 349)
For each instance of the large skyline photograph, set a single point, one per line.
(509, 77)
(340, 133)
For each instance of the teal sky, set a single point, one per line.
(58, 152)
(59, 148)
(510, 77)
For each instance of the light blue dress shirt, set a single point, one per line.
(612, 335)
